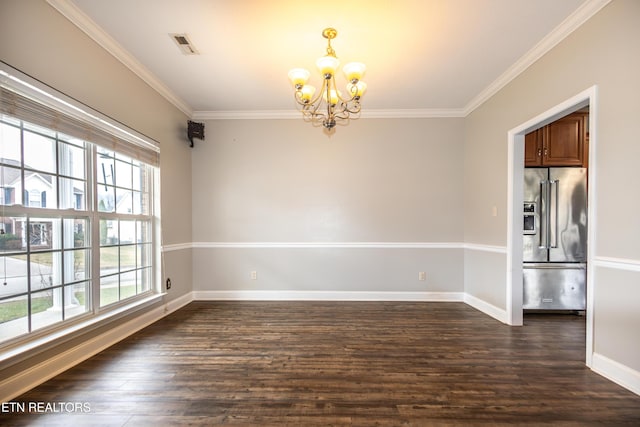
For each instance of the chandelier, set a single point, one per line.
(329, 106)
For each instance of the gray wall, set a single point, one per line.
(40, 42)
(602, 52)
(374, 182)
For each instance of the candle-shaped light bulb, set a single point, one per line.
(354, 71)
(357, 90)
(334, 96)
(306, 93)
(298, 77)
(327, 65)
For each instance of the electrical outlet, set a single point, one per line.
(168, 283)
(254, 275)
(422, 275)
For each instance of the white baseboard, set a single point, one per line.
(37, 374)
(486, 308)
(616, 372)
(325, 296)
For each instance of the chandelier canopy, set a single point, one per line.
(329, 107)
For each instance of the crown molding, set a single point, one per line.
(423, 113)
(566, 27)
(246, 115)
(87, 25)
(295, 115)
(70, 11)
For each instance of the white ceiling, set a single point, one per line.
(423, 57)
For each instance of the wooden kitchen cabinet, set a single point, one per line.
(564, 142)
(533, 148)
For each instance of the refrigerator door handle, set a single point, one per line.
(544, 217)
(553, 213)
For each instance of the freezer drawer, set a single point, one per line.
(554, 286)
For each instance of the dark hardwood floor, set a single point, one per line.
(339, 363)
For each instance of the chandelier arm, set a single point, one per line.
(343, 99)
(318, 96)
(315, 104)
(318, 100)
(330, 83)
(299, 104)
(345, 111)
(298, 96)
(354, 96)
(310, 113)
(353, 109)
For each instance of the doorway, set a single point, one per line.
(516, 136)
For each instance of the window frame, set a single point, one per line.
(131, 142)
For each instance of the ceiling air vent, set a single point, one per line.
(185, 45)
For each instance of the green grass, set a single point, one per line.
(108, 256)
(12, 310)
(111, 295)
(16, 309)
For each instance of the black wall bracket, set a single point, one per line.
(195, 130)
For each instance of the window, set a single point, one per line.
(125, 229)
(76, 217)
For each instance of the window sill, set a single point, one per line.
(22, 351)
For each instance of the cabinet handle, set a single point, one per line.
(545, 152)
(539, 152)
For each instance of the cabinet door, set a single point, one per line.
(533, 148)
(563, 141)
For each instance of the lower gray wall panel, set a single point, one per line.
(328, 269)
(485, 276)
(616, 297)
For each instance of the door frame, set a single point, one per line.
(515, 141)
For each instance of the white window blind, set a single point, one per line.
(30, 100)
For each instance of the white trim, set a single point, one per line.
(617, 263)
(87, 25)
(425, 113)
(618, 373)
(566, 27)
(81, 20)
(26, 380)
(421, 113)
(176, 247)
(515, 179)
(335, 245)
(293, 295)
(591, 218)
(247, 115)
(324, 245)
(485, 248)
(515, 147)
(485, 307)
(349, 245)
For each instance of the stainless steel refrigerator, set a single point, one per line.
(555, 238)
